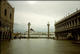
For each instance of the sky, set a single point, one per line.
(39, 13)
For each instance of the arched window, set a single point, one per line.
(0, 23)
(79, 20)
(10, 15)
(76, 21)
(5, 12)
(70, 23)
(73, 22)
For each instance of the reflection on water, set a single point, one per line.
(39, 46)
(4, 45)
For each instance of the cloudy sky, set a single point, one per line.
(39, 13)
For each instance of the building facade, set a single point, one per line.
(6, 20)
(68, 27)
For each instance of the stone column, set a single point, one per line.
(2, 35)
(74, 23)
(48, 28)
(77, 21)
(67, 25)
(71, 23)
(29, 29)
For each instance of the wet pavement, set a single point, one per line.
(39, 46)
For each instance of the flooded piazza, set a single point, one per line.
(39, 27)
(39, 46)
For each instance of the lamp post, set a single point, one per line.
(48, 28)
(29, 29)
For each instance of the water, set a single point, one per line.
(39, 46)
(38, 35)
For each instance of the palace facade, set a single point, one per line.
(6, 20)
(68, 27)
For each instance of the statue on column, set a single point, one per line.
(48, 28)
(29, 30)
